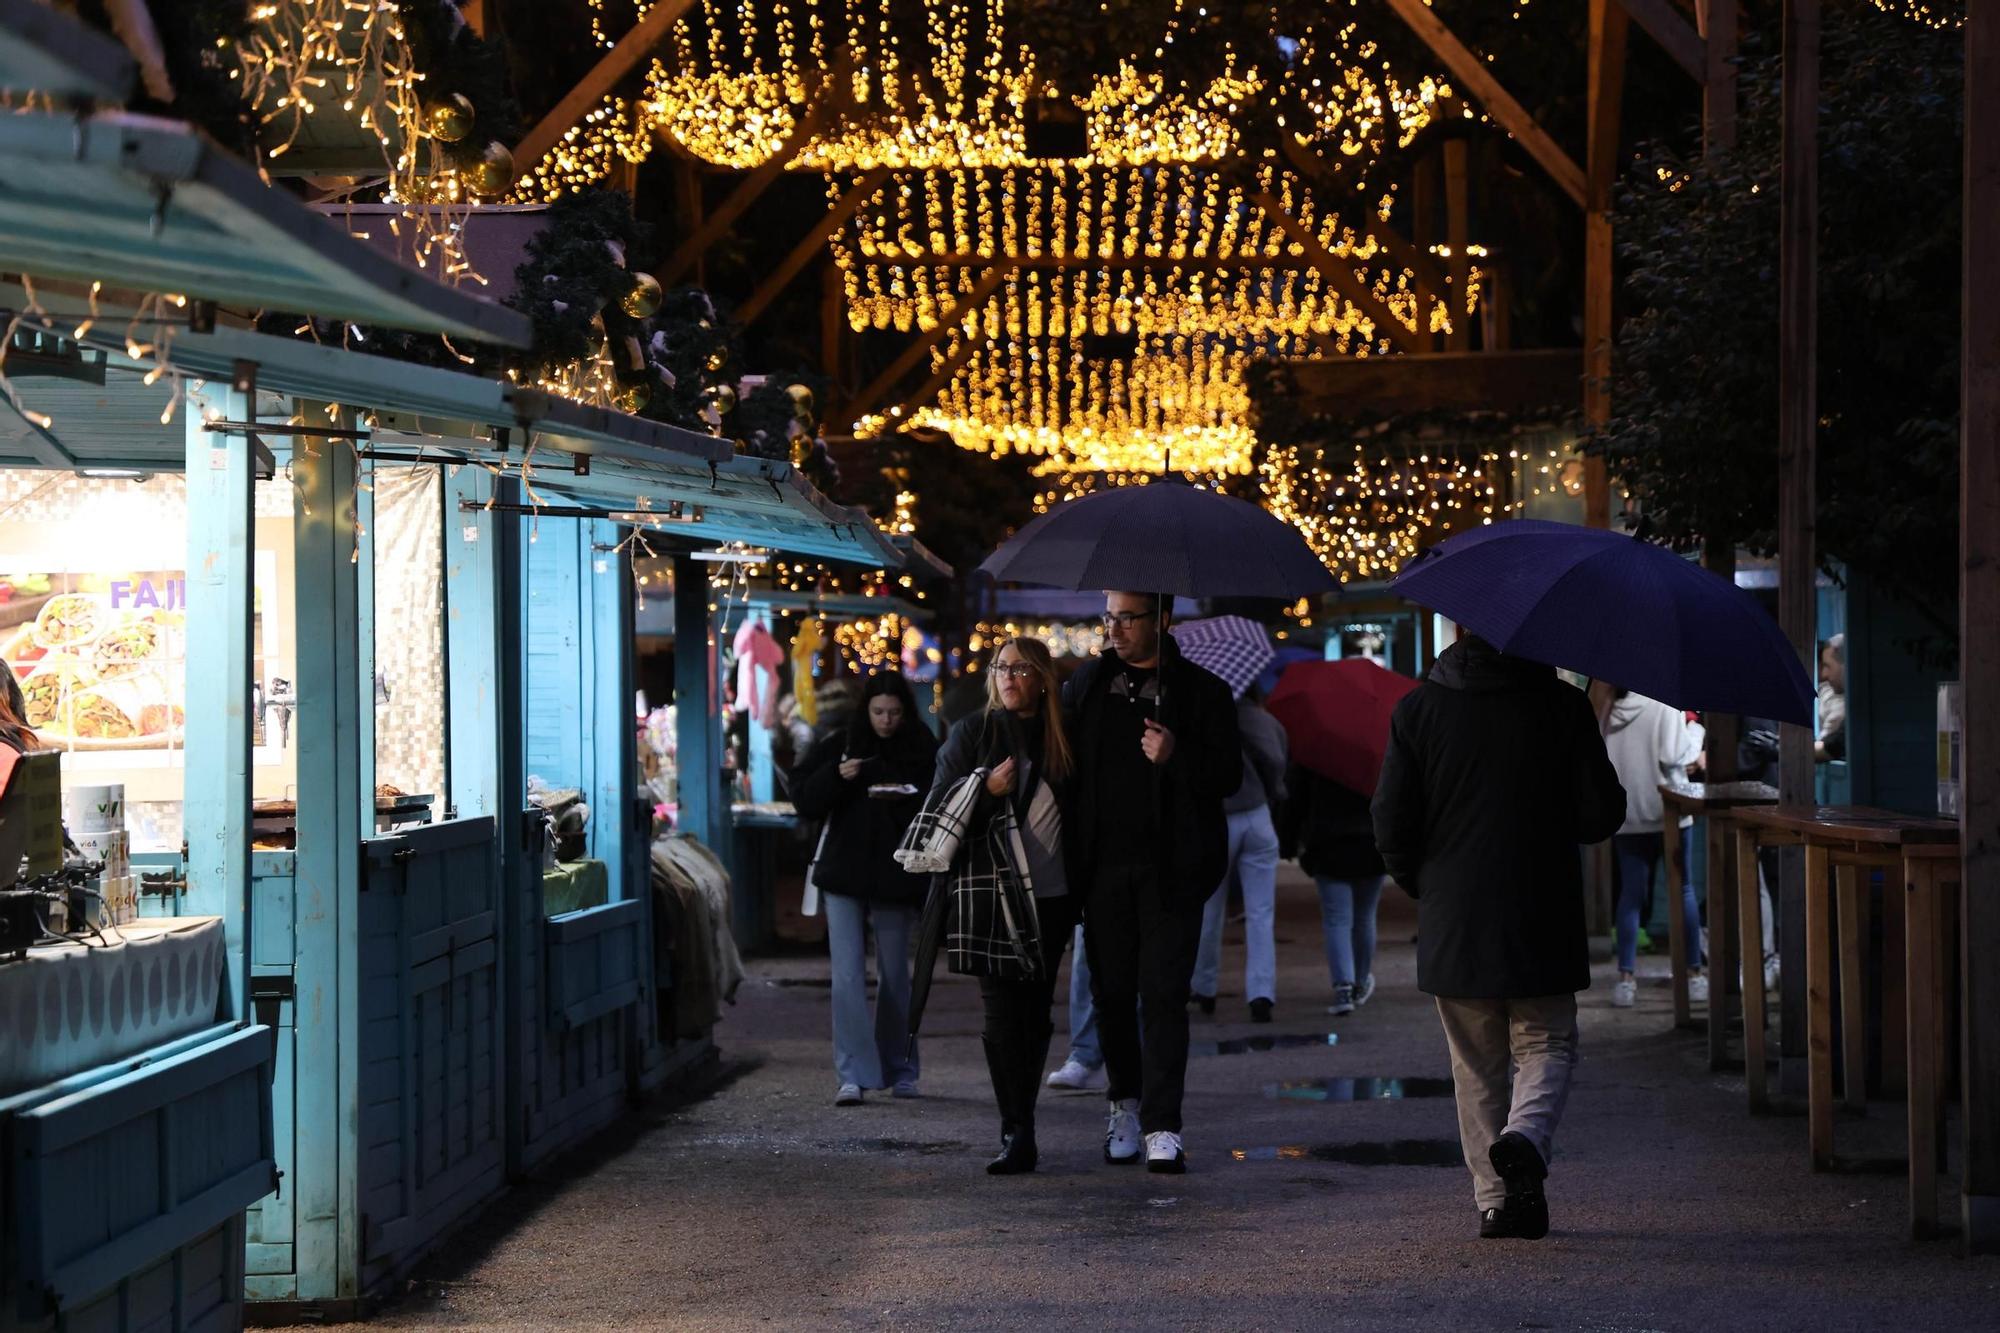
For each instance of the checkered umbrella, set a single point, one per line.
(1232, 647)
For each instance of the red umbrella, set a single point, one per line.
(1337, 715)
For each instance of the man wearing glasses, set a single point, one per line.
(1157, 754)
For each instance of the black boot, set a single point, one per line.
(1017, 1152)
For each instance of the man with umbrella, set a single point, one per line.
(1157, 755)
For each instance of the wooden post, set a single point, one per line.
(1608, 28)
(1717, 20)
(1423, 231)
(704, 806)
(1457, 226)
(1979, 633)
(221, 531)
(832, 337)
(1797, 368)
(334, 798)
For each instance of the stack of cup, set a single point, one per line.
(95, 818)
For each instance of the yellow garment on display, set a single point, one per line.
(805, 647)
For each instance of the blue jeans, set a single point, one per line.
(1639, 855)
(875, 1052)
(1253, 864)
(1083, 1047)
(1347, 916)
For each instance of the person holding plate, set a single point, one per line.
(867, 782)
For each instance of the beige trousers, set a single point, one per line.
(1538, 1038)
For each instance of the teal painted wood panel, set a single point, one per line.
(121, 1174)
(333, 734)
(221, 544)
(431, 1079)
(559, 652)
(612, 734)
(1891, 702)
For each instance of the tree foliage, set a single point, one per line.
(1695, 380)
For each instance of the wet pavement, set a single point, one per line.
(1325, 1189)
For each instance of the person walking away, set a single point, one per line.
(1083, 1068)
(1326, 828)
(1495, 775)
(1019, 739)
(867, 783)
(1157, 753)
(1253, 865)
(1650, 743)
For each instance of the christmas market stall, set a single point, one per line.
(152, 618)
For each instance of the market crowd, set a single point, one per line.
(1118, 809)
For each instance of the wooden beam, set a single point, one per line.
(1457, 223)
(968, 347)
(1718, 89)
(1471, 71)
(1664, 24)
(1337, 273)
(1608, 31)
(1430, 278)
(1718, 133)
(747, 192)
(832, 332)
(857, 194)
(968, 305)
(1424, 193)
(1979, 634)
(1439, 382)
(1798, 413)
(592, 88)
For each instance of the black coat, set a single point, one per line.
(1205, 770)
(1496, 774)
(986, 739)
(1327, 827)
(863, 831)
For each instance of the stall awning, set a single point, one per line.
(580, 454)
(921, 561)
(837, 606)
(150, 205)
(45, 51)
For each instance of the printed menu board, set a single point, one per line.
(101, 657)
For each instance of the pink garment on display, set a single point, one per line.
(757, 651)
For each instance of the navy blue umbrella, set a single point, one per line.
(1617, 609)
(1166, 538)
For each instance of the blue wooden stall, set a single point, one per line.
(124, 1185)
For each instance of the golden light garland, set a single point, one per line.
(743, 78)
(1063, 640)
(1942, 15)
(329, 58)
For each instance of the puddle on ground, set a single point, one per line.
(895, 1147)
(1394, 1152)
(1357, 1089)
(1277, 1041)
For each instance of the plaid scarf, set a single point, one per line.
(992, 928)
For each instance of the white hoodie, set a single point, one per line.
(1649, 743)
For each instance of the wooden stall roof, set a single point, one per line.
(150, 205)
(837, 606)
(45, 51)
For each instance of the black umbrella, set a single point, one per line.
(1165, 537)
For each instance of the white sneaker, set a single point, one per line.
(1164, 1154)
(1364, 992)
(1121, 1137)
(1698, 989)
(1771, 973)
(1076, 1076)
(1625, 993)
(849, 1095)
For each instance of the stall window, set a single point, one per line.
(93, 611)
(408, 568)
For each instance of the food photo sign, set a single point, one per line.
(101, 656)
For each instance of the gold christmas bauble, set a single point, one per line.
(449, 118)
(643, 297)
(802, 400)
(718, 358)
(493, 174)
(633, 397)
(721, 397)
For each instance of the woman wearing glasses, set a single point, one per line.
(1018, 738)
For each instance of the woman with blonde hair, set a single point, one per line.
(1018, 739)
